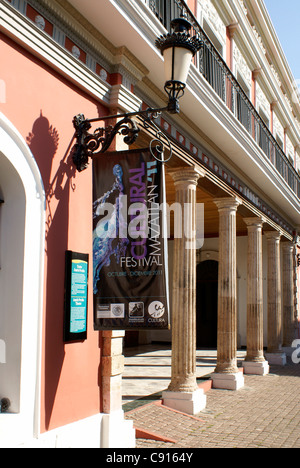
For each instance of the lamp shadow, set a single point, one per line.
(43, 141)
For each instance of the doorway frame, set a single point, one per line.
(20, 428)
(204, 256)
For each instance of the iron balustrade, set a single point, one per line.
(216, 72)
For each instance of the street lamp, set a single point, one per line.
(178, 48)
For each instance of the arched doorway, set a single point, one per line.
(207, 304)
(21, 280)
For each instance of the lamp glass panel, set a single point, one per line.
(182, 61)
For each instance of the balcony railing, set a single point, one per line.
(215, 70)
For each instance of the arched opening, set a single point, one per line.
(207, 304)
(21, 279)
(12, 232)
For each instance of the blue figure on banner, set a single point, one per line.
(105, 241)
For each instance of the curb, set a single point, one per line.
(145, 434)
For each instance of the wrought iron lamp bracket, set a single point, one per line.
(178, 48)
(89, 145)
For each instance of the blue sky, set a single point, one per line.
(285, 16)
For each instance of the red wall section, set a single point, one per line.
(192, 4)
(41, 105)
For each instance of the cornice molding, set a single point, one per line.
(44, 47)
(82, 32)
(77, 24)
(119, 60)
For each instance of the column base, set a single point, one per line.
(277, 359)
(256, 368)
(189, 403)
(228, 381)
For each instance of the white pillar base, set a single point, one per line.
(117, 432)
(256, 368)
(228, 381)
(189, 403)
(277, 359)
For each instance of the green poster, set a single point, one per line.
(79, 275)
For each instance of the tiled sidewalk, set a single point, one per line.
(148, 370)
(264, 414)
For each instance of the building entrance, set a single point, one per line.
(21, 262)
(207, 304)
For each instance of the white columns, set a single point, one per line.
(255, 362)
(183, 393)
(227, 374)
(274, 353)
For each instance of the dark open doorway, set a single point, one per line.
(207, 304)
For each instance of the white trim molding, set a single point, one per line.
(17, 428)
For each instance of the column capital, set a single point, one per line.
(227, 204)
(255, 222)
(273, 235)
(288, 246)
(187, 175)
(232, 28)
(256, 73)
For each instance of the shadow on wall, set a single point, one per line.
(43, 142)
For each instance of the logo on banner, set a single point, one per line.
(156, 309)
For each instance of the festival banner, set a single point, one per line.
(130, 272)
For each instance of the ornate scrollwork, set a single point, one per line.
(80, 154)
(88, 144)
(159, 143)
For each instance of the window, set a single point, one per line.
(243, 112)
(213, 38)
(264, 117)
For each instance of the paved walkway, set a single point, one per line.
(148, 370)
(263, 414)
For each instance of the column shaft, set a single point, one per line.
(288, 324)
(274, 293)
(227, 308)
(183, 393)
(184, 286)
(255, 362)
(255, 352)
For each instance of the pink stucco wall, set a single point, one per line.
(41, 105)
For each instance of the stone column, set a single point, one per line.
(115, 429)
(255, 362)
(288, 325)
(227, 374)
(274, 353)
(183, 393)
